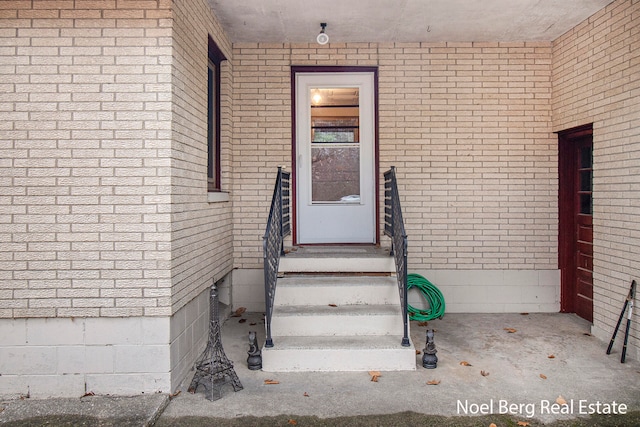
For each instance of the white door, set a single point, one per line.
(335, 158)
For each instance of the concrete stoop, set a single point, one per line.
(337, 313)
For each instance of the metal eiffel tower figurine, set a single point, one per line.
(213, 368)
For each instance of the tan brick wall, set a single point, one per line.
(103, 200)
(596, 76)
(85, 169)
(468, 125)
(201, 240)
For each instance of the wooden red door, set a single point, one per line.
(576, 221)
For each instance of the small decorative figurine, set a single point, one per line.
(254, 361)
(429, 358)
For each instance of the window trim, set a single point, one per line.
(215, 58)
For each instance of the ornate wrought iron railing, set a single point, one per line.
(278, 226)
(394, 228)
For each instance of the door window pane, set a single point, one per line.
(335, 148)
(585, 176)
(335, 174)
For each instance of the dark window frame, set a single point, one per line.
(215, 58)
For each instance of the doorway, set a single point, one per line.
(576, 220)
(335, 156)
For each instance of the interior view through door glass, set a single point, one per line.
(335, 145)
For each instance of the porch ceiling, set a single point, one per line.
(298, 21)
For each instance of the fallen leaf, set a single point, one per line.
(423, 323)
(511, 330)
(561, 401)
(242, 320)
(524, 314)
(239, 312)
(433, 382)
(523, 423)
(484, 373)
(551, 356)
(293, 422)
(492, 425)
(418, 351)
(306, 394)
(465, 363)
(543, 376)
(89, 393)
(587, 334)
(271, 382)
(332, 305)
(176, 394)
(375, 375)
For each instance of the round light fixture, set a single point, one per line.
(323, 38)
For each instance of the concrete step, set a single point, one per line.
(337, 308)
(324, 354)
(342, 320)
(337, 263)
(341, 290)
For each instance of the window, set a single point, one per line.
(213, 117)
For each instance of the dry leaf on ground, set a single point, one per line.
(332, 305)
(465, 363)
(511, 330)
(524, 314)
(423, 323)
(375, 375)
(493, 425)
(239, 312)
(543, 376)
(293, 422)
(551, 356)
(484, 373)
(523, 423)
(306, 394)
(271, 382)
(433, 382)
(561, 400)
(418, 351)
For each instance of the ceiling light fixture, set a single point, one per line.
(322, 38)
(316, 98)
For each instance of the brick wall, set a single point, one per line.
(85, 170)
(201, 241)
(468, 125)
(97, 218)
(596, 76)
(104, 210)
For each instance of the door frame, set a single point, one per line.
(295, 69)
(567, 246)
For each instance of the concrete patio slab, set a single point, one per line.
(528, 361)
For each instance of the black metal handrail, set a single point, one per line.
(394, 228)
(278, 226)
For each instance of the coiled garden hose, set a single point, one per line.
(431, 293)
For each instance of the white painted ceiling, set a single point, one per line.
(298, 21)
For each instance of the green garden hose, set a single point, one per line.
(433, 296)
